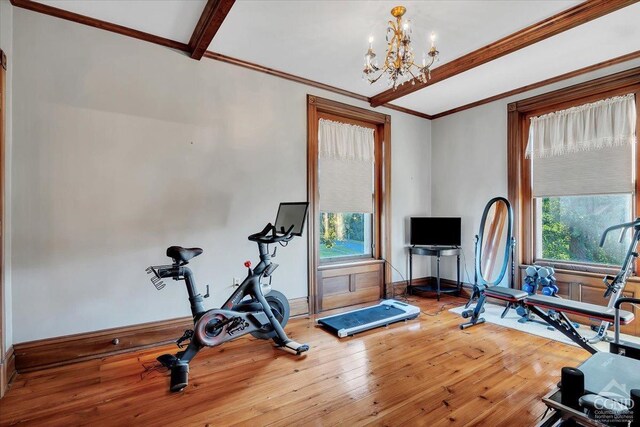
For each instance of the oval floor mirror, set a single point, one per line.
(494, 255)
(494, 242)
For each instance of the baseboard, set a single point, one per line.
(299, 306)
(400, 287)
(7, 370)
(51, 352)
(58, 351)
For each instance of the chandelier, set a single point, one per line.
(399, 62)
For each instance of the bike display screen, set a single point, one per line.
(292, 214)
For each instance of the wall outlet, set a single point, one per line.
(236, 282)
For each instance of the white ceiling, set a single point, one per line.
(325, 40)
(172, 19)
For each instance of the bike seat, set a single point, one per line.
(179, 253)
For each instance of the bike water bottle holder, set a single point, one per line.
(156, 280)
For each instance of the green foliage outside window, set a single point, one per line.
(572, 226)
(342, 234)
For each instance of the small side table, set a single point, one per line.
(438, 252)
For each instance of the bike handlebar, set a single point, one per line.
(624, 227)
(274, 237)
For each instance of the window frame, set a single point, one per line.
(316, 107)
(519, 167)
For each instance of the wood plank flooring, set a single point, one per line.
(422, 372)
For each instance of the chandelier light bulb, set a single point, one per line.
(433, 39)
(370, 40)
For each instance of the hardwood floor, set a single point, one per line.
(422, 372)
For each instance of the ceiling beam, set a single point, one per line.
(563, 21)
(97, 23)
(214, 13)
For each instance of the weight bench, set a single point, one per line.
(552, 310)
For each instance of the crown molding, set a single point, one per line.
(207, 23)
(292, 77)
(584, 10)
(97, 23)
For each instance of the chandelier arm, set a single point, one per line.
(372, 81)
(413, 76)
(427, 67)
(389, 51)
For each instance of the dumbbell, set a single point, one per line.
(548, 281)
(530, 284)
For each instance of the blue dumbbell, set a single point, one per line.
(530, 284)
(548, 281)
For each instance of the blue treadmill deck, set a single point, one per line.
(352, 322)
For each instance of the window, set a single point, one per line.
(346, 154)
(583, 177)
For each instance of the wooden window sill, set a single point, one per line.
(345, 263)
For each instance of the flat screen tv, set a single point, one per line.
(432, 231)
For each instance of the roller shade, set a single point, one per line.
(604, 171)
(345, 175)
(584, 150)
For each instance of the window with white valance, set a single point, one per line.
(582, 178)
(346, 157)
(584, 150)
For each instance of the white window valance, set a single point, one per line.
(602, 124)
(585, 150)
(346, 157)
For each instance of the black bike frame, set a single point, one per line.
(250, 286)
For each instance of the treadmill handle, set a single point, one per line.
(616, 305)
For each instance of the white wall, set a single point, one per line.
(469, 161)
(6, 44)
(411, 189)
(124, 148)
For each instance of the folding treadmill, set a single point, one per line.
(355, 321)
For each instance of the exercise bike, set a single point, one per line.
(253, 308)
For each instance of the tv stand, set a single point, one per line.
(436, 251)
